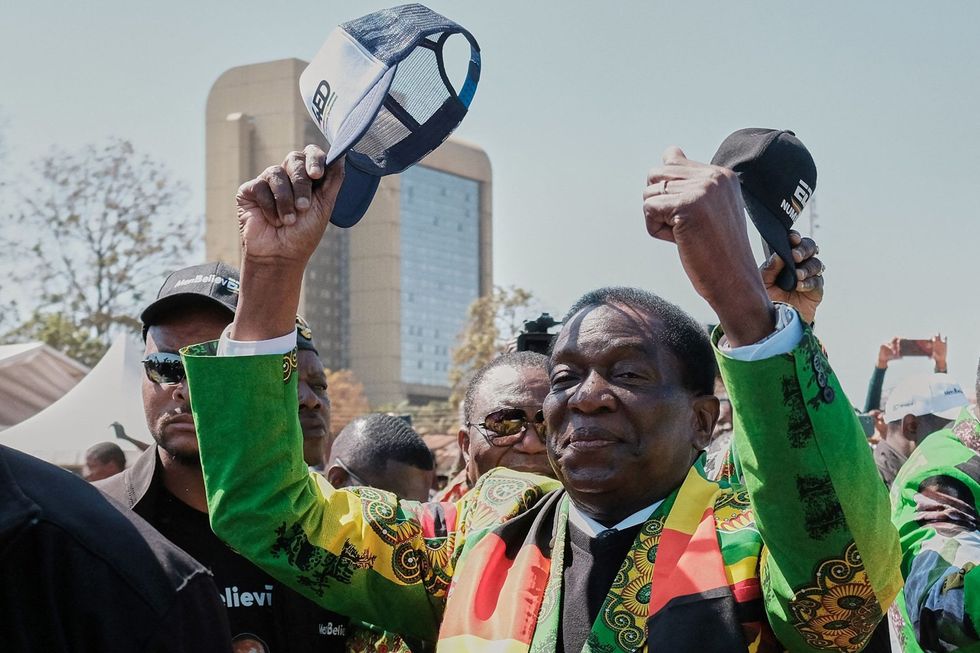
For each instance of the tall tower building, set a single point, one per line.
(388, 297)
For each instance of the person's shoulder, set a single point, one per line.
(733, 508)
(503, 482)
(503, 493)
(95, 530)
(129, 485)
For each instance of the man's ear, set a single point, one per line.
(704, 411)
(910, 427)
(337, 476)
(463, 440)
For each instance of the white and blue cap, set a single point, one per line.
(378, 91)
(926, 394)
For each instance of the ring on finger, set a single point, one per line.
(663, 187)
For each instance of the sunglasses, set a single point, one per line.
(506, 426)
(164, 368)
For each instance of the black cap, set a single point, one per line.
(212, 283)
(304, 335)
(778, 177)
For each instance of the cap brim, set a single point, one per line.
(775, 235)
(355, 196)
(950, 413)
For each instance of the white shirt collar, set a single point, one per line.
(592, 528)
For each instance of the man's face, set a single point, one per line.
(724, 423)
(404, 480)
(623, 430)
(507, 387)
(314, 407)
(167, 407)
(96, 470)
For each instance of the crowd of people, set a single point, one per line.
(642, 486)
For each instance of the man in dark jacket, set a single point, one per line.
(165, 485)
(80, 574)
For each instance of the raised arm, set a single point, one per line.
(829, 564)
(359, 553)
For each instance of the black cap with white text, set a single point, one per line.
(210, 284)
(778, 177)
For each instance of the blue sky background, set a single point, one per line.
(577, 101)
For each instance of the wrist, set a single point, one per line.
(262, 268)
(748, 322)
(268, 300)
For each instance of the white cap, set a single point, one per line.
(926, 394)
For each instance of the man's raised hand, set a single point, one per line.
(808, 293)
(283, 212)
(699, 207)
(282, 215)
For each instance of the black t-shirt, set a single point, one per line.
(265, 615)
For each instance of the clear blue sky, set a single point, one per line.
(576, 103)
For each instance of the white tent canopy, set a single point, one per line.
(32, 377)
(110, 393)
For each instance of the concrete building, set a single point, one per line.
(387, 298)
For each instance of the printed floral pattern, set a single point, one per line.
(840, 612)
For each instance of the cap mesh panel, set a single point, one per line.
(354, 121)
(417, 85)
(387, 33)
(385, 131)
(419, 89)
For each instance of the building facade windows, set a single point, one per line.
(440, 268)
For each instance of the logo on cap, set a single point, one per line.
(795, 205)
(231, 284)
(323, 101)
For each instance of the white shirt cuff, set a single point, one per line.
(281, 345)
(788, 333)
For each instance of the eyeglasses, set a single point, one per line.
(164, 368)
(350, 473)
(506, 426)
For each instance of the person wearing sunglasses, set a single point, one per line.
(165, 484)
(384, 452)
(503, 423)
(636, 548)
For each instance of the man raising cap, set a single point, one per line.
(635, 547)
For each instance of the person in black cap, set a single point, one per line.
(165, 485)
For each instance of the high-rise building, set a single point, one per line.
(387, 298)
